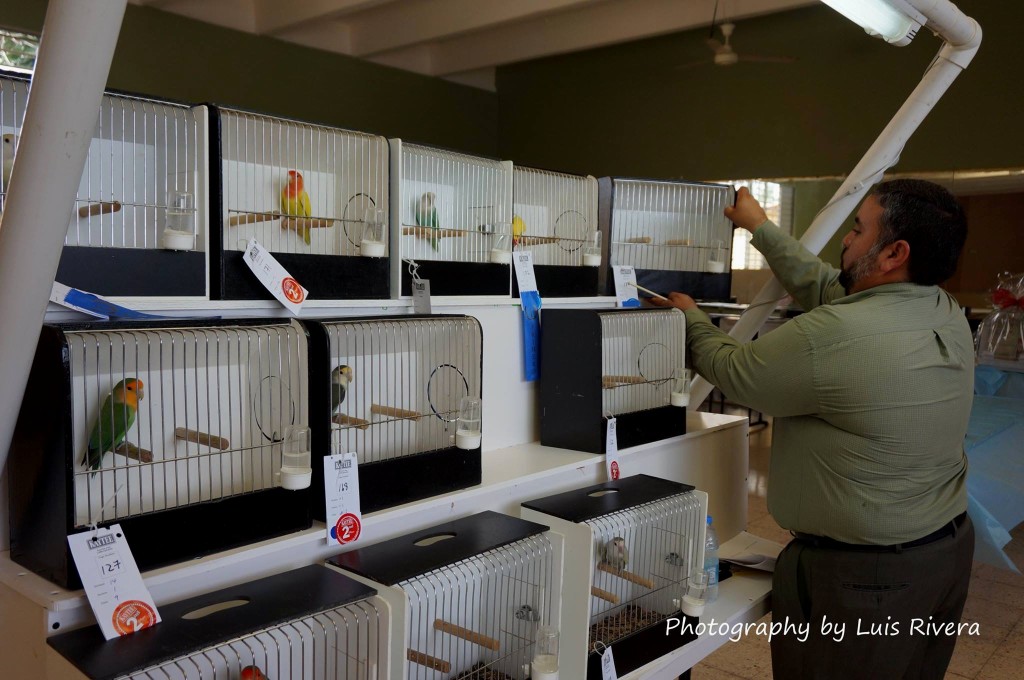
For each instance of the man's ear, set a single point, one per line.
(894, 256)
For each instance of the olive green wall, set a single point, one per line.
(626, 110)
(164, 55)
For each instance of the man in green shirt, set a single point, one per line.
(871, 392)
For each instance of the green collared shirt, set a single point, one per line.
(871, 394)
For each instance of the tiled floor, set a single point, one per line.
(995, 602)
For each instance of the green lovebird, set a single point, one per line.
(340, 379)
(426, 216)
(116, 417)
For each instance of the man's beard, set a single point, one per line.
(860, 268)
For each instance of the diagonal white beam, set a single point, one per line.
(277, 16)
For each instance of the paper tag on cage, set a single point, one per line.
(117, 594)
(341, 487)
(608, 665)
(421, 296)
(611, 452)
(625, 294)
(274, 277)
(525, 277)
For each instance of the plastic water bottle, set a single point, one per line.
(711, 561)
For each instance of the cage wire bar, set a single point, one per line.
(213, 404)
(408, 378)
(455, 207)
(639, 351)
(477, 618)
(554, 215)
(671, 226)
(343, 643)
(343, 173)
(637, 592)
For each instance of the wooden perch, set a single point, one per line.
(129, 450)
(252, 218)
(638, 239)
(604, 595)
(343, 420)
(197, 437)
(300, 223)
(537, 240)
(678, 242)
(615, 380)
(430, 232)
(467, 635)
(431, 662)
(627, 575)
(98, 209)
(393, 412)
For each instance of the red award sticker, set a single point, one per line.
(292, 290)
(615, 470)
(348, 528)
(132, 616)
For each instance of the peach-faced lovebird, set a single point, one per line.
(340, 378)
(295, 201)
(614, 553)
(252, 673)
(116, 417)
(426, 216)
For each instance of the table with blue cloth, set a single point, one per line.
(995, 476)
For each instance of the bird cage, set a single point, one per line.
(138, 228)
(390, 389)
(632, 544)
(452, 216)
(674, 234)
(466, 597)
(627, 364)
(555, 217)
(316, 197)
(308, 624)
(158, 426)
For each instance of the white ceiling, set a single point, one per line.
(462, 40)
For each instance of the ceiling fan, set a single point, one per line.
(725, 55)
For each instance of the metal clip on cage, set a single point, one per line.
(139, 224)
(314, 196)
(600, 363)
(674, 234)
(555, 217)
(162, 426)
(390, 388)
(636, 540)
(452, 214)
(466, 597)
(308, 624)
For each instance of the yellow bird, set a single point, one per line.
(518, 229)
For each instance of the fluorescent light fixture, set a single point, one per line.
(879, 18)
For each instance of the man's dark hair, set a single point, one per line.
(927, 217)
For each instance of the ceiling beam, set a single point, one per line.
(274, 17)
(234, 14)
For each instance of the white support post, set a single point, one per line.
(963, 36)
(71, 71)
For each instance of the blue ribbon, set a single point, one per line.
(531, 303)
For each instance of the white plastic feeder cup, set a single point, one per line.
(372, 243)
(681, 378)
(468, 432)
(180, 229)
(296, 469)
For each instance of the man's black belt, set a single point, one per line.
(947, 529)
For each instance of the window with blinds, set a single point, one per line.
(777, 201)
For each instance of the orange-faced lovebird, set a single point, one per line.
(295, 201)
(116, 417)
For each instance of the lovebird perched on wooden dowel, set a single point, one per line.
(295, 202)
(615, 554)
(426, 216)
(116, 417)
(340, 379)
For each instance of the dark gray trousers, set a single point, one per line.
(872, 615)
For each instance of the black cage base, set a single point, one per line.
(560, 281)
(460, 278)
(644, 646)
(326, 277)
(133, 272)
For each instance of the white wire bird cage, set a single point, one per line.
(390, 389)
(673, 233)
(467, 597)
(156, 426)
(599, 364)
(308, 624)
(633, 544)
(451, 213)
(316, 197)
(555, 217)
(139, 226)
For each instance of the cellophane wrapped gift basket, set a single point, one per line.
(999, 340)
